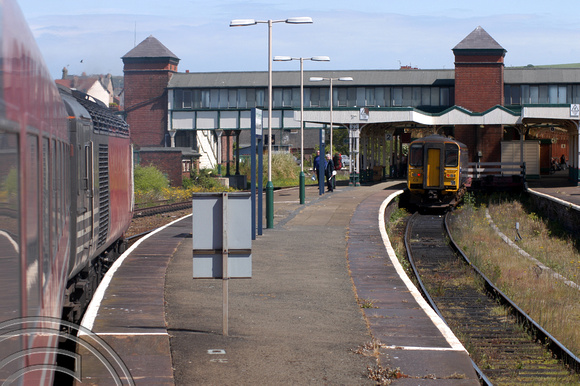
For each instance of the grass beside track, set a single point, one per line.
(552, 303)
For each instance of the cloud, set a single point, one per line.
(354, 39)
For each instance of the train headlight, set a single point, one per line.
(450, 175)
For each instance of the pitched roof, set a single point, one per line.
(150, 48)
(479, 39)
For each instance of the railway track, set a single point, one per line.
(163, 208)
(502, 347)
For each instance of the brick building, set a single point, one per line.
(147, 69)
(480, 102)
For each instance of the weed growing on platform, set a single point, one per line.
(552, 303)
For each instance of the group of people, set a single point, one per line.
(330, 167)
(555, 165)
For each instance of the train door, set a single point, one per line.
(433, 163)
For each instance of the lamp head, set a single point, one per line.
(299, 20)
(242, 22)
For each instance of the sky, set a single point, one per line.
(91, 36)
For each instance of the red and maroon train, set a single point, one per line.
(66, 198)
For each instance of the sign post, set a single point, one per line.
(256, 145)
(221, 237)
(321, 163)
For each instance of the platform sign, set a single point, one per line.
(222, 226)
(222, 239)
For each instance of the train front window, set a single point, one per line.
(416, 155)
(451, 155)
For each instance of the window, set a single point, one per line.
(416, 155)
(324, 94)
(250, 98)
(387, 97)
(435, 96)
(351, 96)
(296, 97)
(370, 96)
(205, 99)
(515, 95)
(525, 90)
(561, 94)
(277, 95)
(380, 96)
(534, 95)
(543, 98)
(552, 94)
(196, 98)
(416, 97)
(187, 100)
(425, 96)
(397, 96)
(233, 98)
(287, 97)
(444, 99)
(223, 98)
(342, 96)
(214, 98)
(260, 97)
(451, 155)
(407, 96)
(315, 97)
(360, 96)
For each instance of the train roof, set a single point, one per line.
(438, 138)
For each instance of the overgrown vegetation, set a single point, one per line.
(555, 305)
(152, 186)
(285, 170)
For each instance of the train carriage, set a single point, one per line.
(437, 171)
(101, 195)
(65, 202)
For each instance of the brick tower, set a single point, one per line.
(479, 78)
(148, 68)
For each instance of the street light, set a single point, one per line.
(319, 79)
(269, 185)
(316, 59)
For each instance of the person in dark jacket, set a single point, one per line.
(329, 173)
(315, 163)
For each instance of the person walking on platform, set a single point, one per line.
(315, 163)
(329, 173)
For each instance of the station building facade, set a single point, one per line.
(527, 114)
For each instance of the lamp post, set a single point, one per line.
(316, 59)
(269, 185)
(319, 79)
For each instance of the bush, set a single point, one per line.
(149, 179)
(285, 171)
(204, 181)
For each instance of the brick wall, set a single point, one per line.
(486, 140)
(146, 101)
(479, 86)
(168, 161)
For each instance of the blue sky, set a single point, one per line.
(378, 34)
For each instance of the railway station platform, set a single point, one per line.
(558, 186)
(326, 302)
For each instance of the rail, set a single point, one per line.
(480, 170)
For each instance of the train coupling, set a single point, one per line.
(432, 195)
